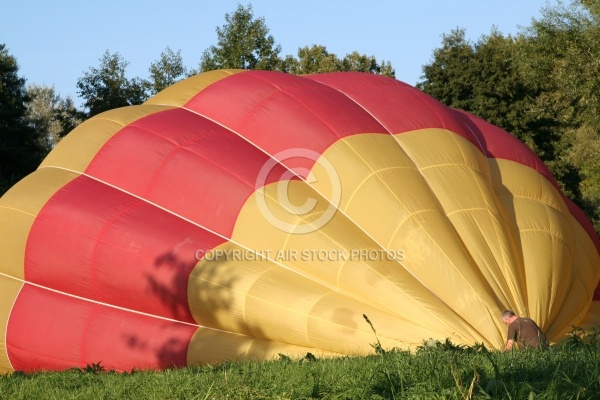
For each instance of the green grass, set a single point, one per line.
(440, 370)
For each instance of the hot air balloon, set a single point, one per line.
(246, 214)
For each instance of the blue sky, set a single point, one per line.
(55, 42)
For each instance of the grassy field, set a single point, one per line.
(440, 370)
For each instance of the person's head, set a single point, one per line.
(508, 316)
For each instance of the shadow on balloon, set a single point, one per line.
(200, 308)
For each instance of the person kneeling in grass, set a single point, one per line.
(524, 332)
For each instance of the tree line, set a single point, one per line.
(542, 85)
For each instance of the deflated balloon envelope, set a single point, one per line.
(253, 213)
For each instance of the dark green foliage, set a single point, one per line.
(311, 60)
(448, 77)
(243, 42)
(166, 71)
(107, 87)
(67, 116)
(20, 145)
(50, 115)
(316, 59)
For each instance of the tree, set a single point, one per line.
(312, 60)
(485, 79)
(68, 117)
(449, 76)
(50, 115)
(107, 87)
(562, 58)
(20, 149)
(316, 59)
(166, 71)
(40, 108)
(243, 42)
(362, 63)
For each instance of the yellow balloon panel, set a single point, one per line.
(267, 300)
(543, 230)
(8, 295)
(209, 346)
(437, 257)
(178, 95)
